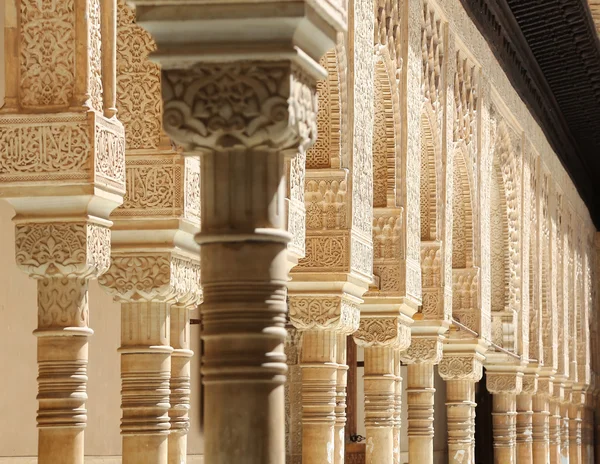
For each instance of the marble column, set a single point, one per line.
(381, 337)
(524, 426)
(147, 285)
(180, 378)
(154, 262)
(461, 371)
(340, 403)
(328, 284)
(258, 95)
(587, 433)
(319, 371)
(421, 357)
(504, 387)
(63, 172)
(555, 424)
(541, 422)
(565, 452)
(293, 403)
(575, 426)
(397, 430)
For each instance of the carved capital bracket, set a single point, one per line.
(504, 382)
(383, 331)
(530, 384)
(138, 277)
(467, 366)
(423, 350)
(545, 387)
(333, 313)
(62, 249)
(253, 104)
(578, 396)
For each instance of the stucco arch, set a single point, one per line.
(462, 207)
(384, 137)
(327, 150)
(505, 230)
(430, 178)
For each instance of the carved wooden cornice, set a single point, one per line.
(550, 52)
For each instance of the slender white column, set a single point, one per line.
(381, 338)
(504, 386)
(461, 371)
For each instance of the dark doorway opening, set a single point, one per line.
(484, 436)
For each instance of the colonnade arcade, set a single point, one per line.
(375, 152)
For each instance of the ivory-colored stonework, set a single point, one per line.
(302, 177)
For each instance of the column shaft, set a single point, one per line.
(541, 429)
(380, 404)
(555, 430)
(524, 429)
(397, 406)
(575, 455)
(180, 383)
(564, 430)
(319, 378)
(460, 404)
(420, 404)
(244, 272)
(504, 420)
(145, 375)
(62, 369)
(340, 407)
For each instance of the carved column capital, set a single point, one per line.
(423, 350)
(253, 104)
(461, 367)
(383, 332)
(167, 277)
(504, 382)
(331, 313)
(530, 384)
(62, 249)
(545, 387)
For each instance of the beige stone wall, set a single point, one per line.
(18, 360)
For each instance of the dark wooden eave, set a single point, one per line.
(551, 53)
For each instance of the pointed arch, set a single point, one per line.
(462, 213)
(430, 180)
(505, 241)
(384, 138)
(326, 152)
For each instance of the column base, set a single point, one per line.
(58, 445)
(145, 449)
